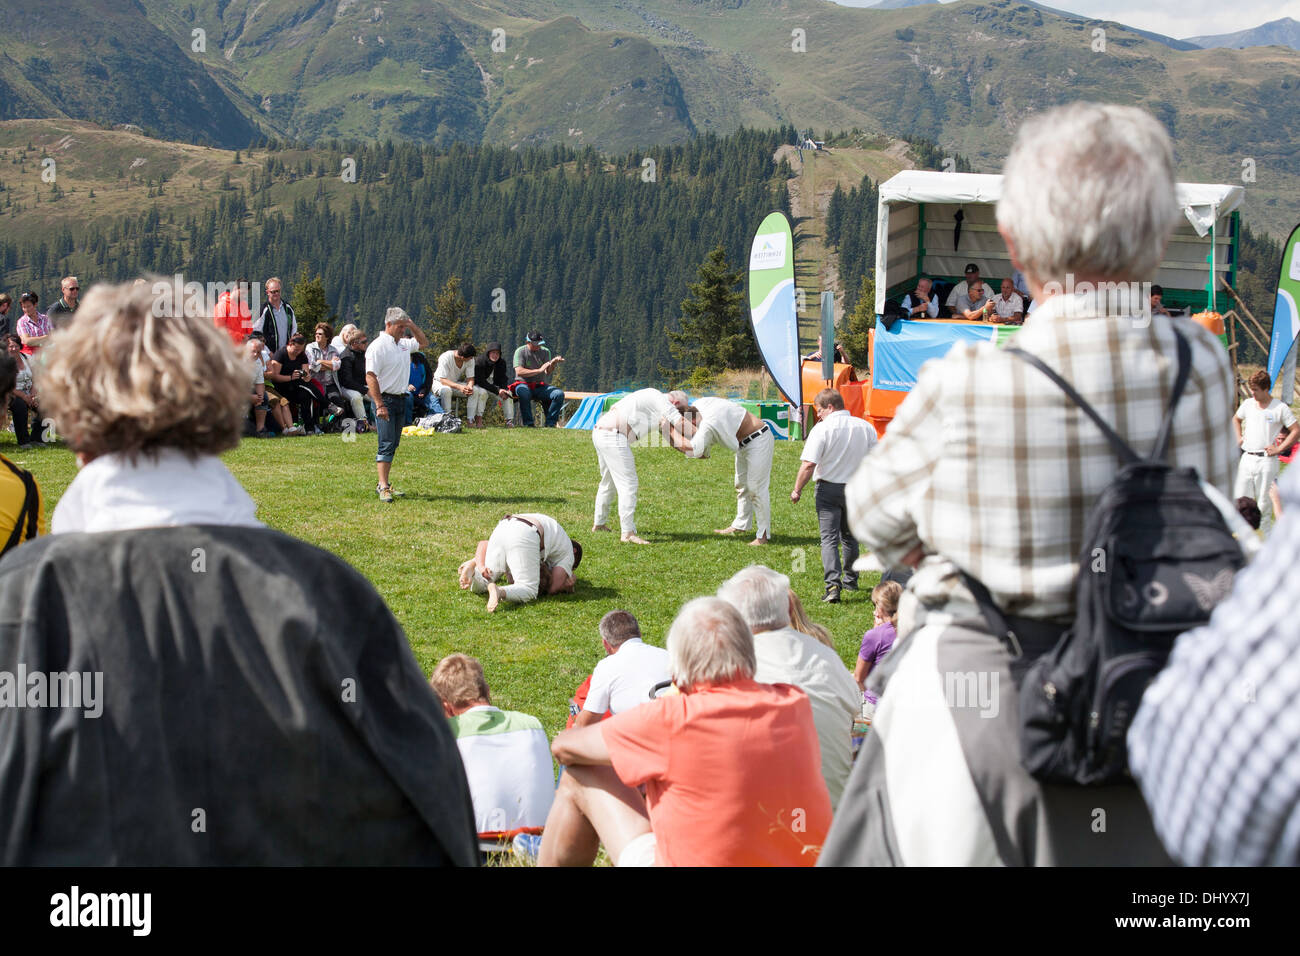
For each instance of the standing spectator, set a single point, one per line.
(629, 673)
(23, 404)
(729, 765)
(878, 641)
(831, 455)
(291, 372)
(213, 670)
(61, 312)
(733, 426)
(491, 380)
(533, 366)
(6, 320)
(324, 363)
(388, 372)
(22, 510)
(276, 321)
(630, 418)
(454, 375)
(1008, 305)
(232, 313)
(352, 375)
(787, 656)
(991, 470)
(1265, 428)
(506, 754)
(33, 326)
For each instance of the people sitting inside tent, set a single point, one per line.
(921, 303)
(1008, 306)
(974, 304)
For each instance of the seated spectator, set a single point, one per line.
(974, 304)
(205, 679)
(454, 376)
(533, 366)
(878, 641)
(419, 401)
(33, 326)
(533, 553)
(23, 404)
(290, 371)
(1249, 510)
(962, 288)
(324, 363)
(352, 376)
(802, 623)
(626, 678)
(817, 355)
(1157, 301)
(22, 510)
(921, 304)
(1008, 306)
(261, 398)
(491, 381)
(729, 765)
(506, 754)
(340, 342)
(6, 319)
(785, 656)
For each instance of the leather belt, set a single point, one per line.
(541, 535)
(746, 441)
(1261, 454)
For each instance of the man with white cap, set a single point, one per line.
(388, 372)
(733, 426)
(631, 418)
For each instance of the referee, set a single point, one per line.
(388, 372)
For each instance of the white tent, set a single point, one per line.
(918, 217)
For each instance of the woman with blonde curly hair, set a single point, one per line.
(236, 669)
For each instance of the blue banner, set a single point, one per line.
(902, 350)
(1286, 316)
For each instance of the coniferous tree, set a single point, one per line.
(715, 335)
(447, 321)
(309, 302)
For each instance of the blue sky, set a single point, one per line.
(1175, 18)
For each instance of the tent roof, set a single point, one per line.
(1201, 202)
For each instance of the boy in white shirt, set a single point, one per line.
(1259, 423)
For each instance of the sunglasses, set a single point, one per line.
(74, 288)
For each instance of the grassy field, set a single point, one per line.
(458, 486)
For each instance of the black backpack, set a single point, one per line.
(1157, 557)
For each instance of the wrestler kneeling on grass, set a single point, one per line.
(532, 551)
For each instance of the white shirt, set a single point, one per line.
(720, 419)
(640, 412)
(513, 547)
(960, 289)
(837, 445)
(1261, 426)
(448, 369)
(507, 762)
(390, 360)
(1006, 308)
(259, 369)
(624, 679)
(111, 494)
(789, 657)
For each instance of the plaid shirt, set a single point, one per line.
(988, 464)
(1216, 742)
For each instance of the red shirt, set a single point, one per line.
(233, 316)
(732, 774)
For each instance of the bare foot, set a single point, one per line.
(634, 539)
(727, 530)
(494, 597)
(757, 541)
(601, 527)
(466, 574)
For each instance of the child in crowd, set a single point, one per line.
(876, 643)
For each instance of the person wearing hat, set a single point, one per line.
(491, 380)
(962, 288)
(533, 366)
(388, 372)
(33, 327)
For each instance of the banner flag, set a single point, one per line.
(1286, 315)
(772, 304)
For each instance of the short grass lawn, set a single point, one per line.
(457, 487)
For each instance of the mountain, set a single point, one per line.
(1284, 32)
(900, 4)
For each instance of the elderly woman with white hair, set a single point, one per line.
(729, 765)
(259, 703)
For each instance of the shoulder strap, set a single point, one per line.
(25, 523)
(1122, 448)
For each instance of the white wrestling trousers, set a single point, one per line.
(523, 560)
(358, 406)
(753, 476)
(1255, 475)
(478, 404)
(617, 474)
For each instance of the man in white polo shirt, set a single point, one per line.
(832, 454)
(733, 426)
(506, 754)
(388, 372)
(1258, 423)
(630, 419)
(629, 673)
(532, 551)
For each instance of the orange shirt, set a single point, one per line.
(732, 774)
(234, 317)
